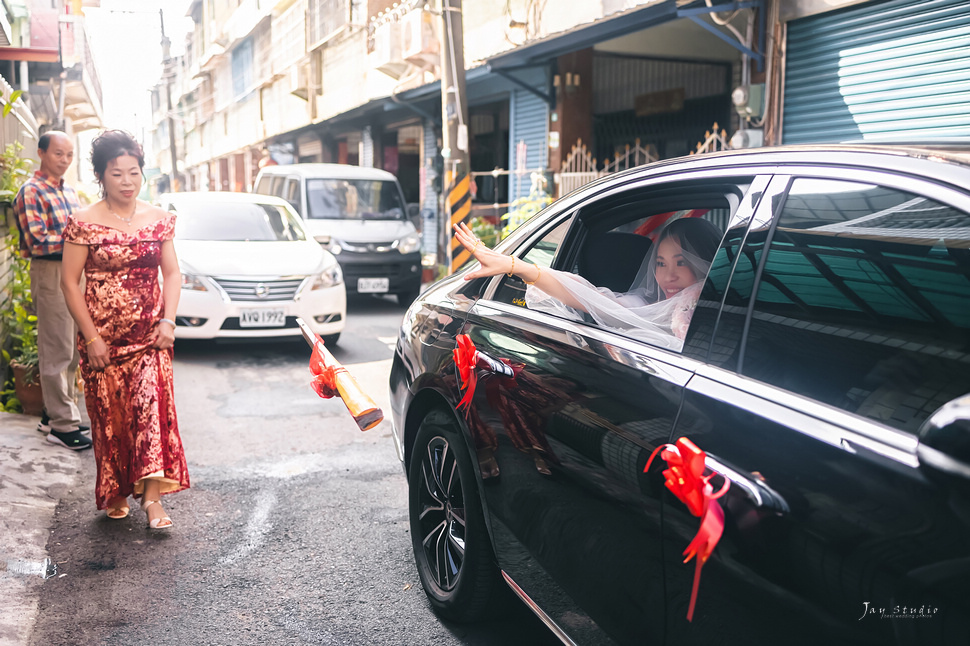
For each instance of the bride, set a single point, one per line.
(657, 308)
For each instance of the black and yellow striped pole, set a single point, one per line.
(459, 206)
(454, 131)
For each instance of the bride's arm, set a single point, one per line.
(494, 263)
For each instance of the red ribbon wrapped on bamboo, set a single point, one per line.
(331, 379)
(685, 479)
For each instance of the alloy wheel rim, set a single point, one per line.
(441, 520)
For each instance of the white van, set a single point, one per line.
(359, 215)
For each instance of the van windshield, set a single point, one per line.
(353, 199)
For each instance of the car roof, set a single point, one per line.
(944, 162)
(336, 171)
(221, 196)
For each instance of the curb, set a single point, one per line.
(34, 475)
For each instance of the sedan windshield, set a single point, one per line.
(353, 199)
(236, 221)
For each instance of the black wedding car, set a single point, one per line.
(825, 373)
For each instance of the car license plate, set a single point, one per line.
(372, 285)
(262, 318)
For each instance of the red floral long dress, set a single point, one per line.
(131, 403)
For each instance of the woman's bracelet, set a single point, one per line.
(512, 271)
(538, 273)
(169, 321)
(92, 340)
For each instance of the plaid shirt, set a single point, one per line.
(42, 208)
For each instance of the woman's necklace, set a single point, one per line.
(125, 220)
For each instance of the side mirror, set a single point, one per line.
(944, 444)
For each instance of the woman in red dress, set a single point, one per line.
(126, 323)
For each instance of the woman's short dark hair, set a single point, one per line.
(111, 144)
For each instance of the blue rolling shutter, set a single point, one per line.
(529, 121)
(896, 70)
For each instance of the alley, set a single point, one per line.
(294, 531)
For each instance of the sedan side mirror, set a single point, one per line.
(944, 444)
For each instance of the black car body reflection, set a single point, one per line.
(824, 373)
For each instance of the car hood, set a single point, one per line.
(250, 258)
(360, 230)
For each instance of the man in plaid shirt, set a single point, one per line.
(42, 207)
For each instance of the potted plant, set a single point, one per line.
(18, 323)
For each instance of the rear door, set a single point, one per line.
(562, 446)
(846, 326)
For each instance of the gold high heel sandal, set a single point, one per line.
(117, 513)
(157, 523)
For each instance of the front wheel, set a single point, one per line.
(451, 545)
(330, 340)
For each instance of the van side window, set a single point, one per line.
(263, 186)
(276, 187)
(864, 302)
(291, 193)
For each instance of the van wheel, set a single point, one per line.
(406, 298)
(330, 340)
(451, 545)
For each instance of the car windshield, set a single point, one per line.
(236, 221)
(353, 199)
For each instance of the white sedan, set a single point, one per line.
(249, 269)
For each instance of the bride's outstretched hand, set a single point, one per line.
(492, 262)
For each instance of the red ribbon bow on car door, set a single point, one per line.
(685, 478)
(466, 359)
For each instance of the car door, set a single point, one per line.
(562, 446)
(841, 340)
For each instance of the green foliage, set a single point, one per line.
(14, 170)
(18, 323)
(523, 208)
(485, 231)
(8, 106)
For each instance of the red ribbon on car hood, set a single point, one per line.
(685, 478)
(466, 359)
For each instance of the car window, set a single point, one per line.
(542, 253)
(276, 187)
(236, 221)
(291, 192)
(864, 301)
(263, 186)
(621, 250)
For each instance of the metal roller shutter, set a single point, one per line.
(529, 123)
(897, 70)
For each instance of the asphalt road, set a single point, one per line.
(294, 531)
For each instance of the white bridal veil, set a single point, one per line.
(642, 312)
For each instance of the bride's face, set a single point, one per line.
(672, 271)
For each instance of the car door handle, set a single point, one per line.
(755, 489)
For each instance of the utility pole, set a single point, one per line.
(167, 73)
(454, 132)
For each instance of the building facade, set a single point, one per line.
(556, 91)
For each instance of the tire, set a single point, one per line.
(452, 549)
(330, 340)
(406, 298)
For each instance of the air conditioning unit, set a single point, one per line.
(418, 43)
(387, 49)
(300, 80)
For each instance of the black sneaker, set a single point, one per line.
(74, 440)
(44, 426)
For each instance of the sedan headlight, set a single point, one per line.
(328, 277)
(409, 243)
(193, 283)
